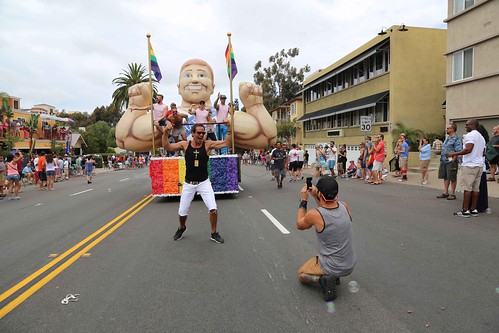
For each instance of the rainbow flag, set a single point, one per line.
(154, 64)
(230, 61)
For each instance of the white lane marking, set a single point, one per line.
(122, 180)
(38, 204)
(276, 223)
(90, 189)
(240, 188)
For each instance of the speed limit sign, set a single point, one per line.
(365, 123)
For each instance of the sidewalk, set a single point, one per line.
(415, 177)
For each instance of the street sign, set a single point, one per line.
(365, 123)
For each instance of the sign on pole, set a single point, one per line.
(365, 123)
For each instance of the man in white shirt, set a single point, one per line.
(472, 167)
(301, 153)
(331, 157)
(293, 162)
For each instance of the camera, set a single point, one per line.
(309, 182)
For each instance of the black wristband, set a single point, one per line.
(303, 204)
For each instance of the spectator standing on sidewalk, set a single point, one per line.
(448, 165)
(2, 176)
(436, 146)
(403, 158)
(494, 162)
(13, 176)
(472, 167)
(424, 159)
(331, 157)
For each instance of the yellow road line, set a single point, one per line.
(144, 202)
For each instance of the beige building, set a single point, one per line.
(396, 77)
(472, 82)
(290, 112)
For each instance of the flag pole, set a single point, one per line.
(150, 87)
(231, 96)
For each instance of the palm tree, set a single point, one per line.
(413, 135)
(32, 128)
(136, 73)
(6, 110)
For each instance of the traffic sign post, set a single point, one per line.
(365, 123)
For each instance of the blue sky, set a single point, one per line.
(66, 53)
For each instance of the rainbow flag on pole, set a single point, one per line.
(154, 64)
(230, 61)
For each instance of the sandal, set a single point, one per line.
(442, 196)
(491, 179)
(451, 197)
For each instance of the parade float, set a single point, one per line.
(252, 129)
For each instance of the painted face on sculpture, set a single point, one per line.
(195, 83)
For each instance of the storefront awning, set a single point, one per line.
(360, 103)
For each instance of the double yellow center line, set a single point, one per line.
(88, 243)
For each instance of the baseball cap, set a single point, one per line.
(328, 186)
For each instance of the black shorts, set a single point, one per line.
(211, 136)
(293, 166)
(42, 175)
(300, 165)
(162, 122)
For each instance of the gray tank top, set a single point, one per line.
(336, 250)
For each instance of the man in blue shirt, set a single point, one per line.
(404, 157)
(448, 165)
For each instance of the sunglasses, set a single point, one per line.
(201, 133)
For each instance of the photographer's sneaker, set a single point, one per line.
(179, 233)
(328, 284)
(463, 213)
(217, 238)
(474, 212)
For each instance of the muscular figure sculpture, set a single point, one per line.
(133, 131)
(253, 129)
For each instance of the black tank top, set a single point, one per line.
(193, 173)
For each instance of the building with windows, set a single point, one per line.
(472, 82)
(289, 112)
(396, 77)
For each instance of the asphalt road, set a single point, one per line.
(419, 268)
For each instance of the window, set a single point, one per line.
(460, 5)
(293, 109)
(462, 64)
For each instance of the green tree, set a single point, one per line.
(109, 114)
(413, 135)
(32, 128)
(280, 81)
(286, 130)
(6, 110)
(96, 137)
(136, 73)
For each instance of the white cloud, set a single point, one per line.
(66, 53)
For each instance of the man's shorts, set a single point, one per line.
(178, 131)
(281, 172)
(403, 162)
(470, 178)
(162, 122)
(330, 164)
(311, 267)
(377, 166)
(448, 171)
(423, 165)
(300, 165)
(293, 166)
(43, 176)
